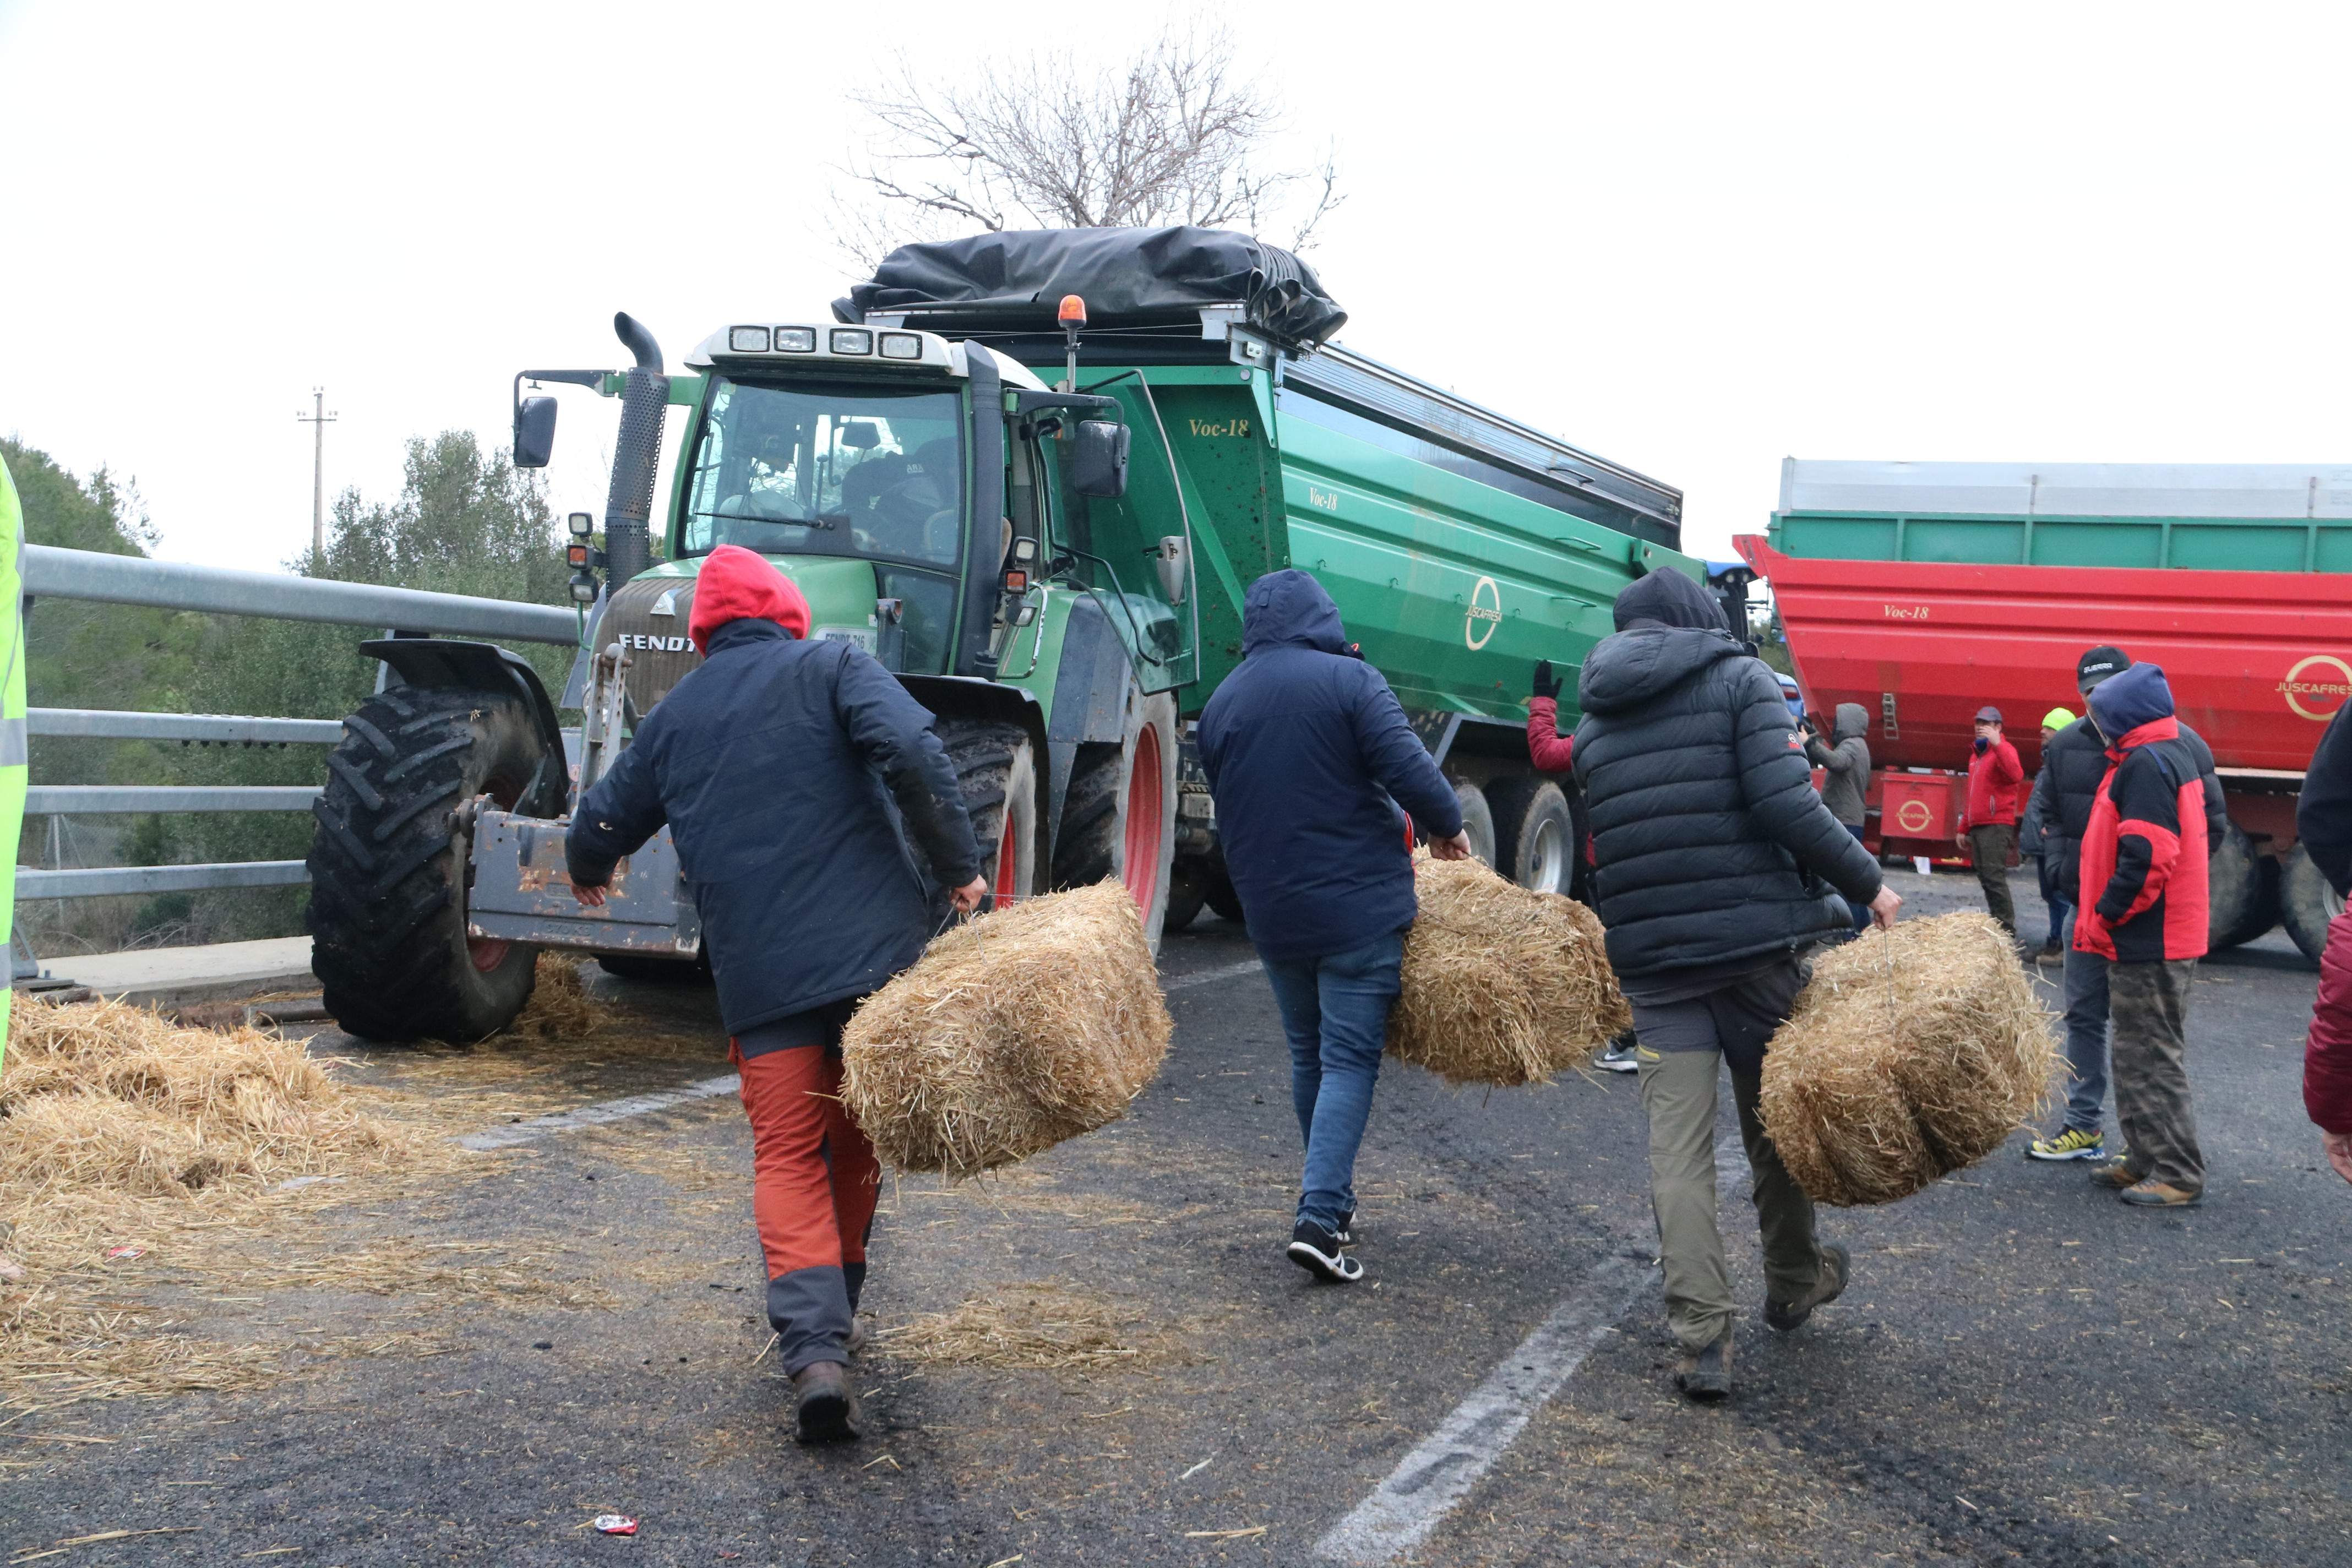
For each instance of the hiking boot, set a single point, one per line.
(1317, 1250)
(1836, 1269)
(2155, 1194)
(1619, 1056)
(1705, 1375)
(2116, 1174)
(858, 1335)
(825, 1408)
(2073, 1143)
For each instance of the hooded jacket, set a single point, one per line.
(1710, 843)
(2144, 851)
(775, 763)
(1308, 757)
(2072, 765)
(1844, 763)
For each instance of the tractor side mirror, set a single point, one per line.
(534, 432)
(1098, 459)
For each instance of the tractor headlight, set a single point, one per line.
(901, 345)
(748, 340)
(796, 340)
(852, 341)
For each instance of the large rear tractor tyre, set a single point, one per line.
(389, 871)
(1535, 833)
(2306, 903)
(1119, 818)
(997, 767)
(2242, 891)
(1477, 820)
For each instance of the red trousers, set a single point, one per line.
(814, 1182)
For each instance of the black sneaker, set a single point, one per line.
(1317, 1250)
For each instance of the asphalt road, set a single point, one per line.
(2024, 1370)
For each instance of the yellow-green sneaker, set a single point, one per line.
(2073, 1143)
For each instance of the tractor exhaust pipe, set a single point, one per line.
(637, 453)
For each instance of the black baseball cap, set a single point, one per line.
(1988, 715)
(2097, 665)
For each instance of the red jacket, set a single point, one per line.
(2327, 1054)
(1546, 747)
(2144, 890)
(1994, 774)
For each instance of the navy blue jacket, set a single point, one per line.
(769, 762)
(1308, 756)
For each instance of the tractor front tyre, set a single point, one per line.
(1119, 813)
(389, 865)
(996, 766)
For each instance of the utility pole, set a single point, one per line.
(319, 419)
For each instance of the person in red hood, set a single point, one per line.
(1988, 828)
(2145, 910)
(774, 763)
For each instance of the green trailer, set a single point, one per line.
(1056, 569)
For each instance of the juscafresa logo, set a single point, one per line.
(2325, 695)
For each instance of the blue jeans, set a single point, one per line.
(1335, 1012)
(1861, 912)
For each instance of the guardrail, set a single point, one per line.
(52, 572)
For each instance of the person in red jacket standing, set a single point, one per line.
(2145, 910)
(1553, 753)
(1988, 827)
(2323, 821)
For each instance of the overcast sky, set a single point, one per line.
(1690, 238)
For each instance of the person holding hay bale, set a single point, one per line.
(1308, 757)
(1716, 866)
(2144, 910)
(769, 761)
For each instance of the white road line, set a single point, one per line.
(539, 1127)
(1440, 1472)
(1230, 971)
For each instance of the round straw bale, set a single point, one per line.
(1023, 1028)
(1911, 1054)
(1502, 985)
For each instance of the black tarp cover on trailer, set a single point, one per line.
(1125, 275)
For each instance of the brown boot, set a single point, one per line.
(2156, 1194)
(2117, 1175)
(826, 1409)
(1836, 1269)
(1705, 1375)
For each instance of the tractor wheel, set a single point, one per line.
(2306, 903)
(2243, 890)
(1535, 833)
(997, 767)
(388, 865)
(1188, 889)
(1119, 817)
(1478, 819)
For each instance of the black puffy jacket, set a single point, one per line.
(1710, 843)
(1308, 756)
(775, 762)
(2074, 761)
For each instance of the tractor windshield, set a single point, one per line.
(829, 469)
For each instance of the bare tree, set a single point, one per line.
(1176, 135)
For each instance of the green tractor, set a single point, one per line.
(975, 528)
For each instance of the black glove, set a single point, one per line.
(1546, 684)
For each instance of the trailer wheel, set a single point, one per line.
(388, 865)
(1119, 817)
(1223, 901)
(1188, 889)
(997, 768)
(2242, 891)
(1478, 819)
(2306, 903)
(1535, 833)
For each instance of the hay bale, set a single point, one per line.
(105, 1098)
(1011, 1033)
(1912, 1054)
(560, 1007)
(1501, 986)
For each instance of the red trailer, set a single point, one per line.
(2258, 662)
